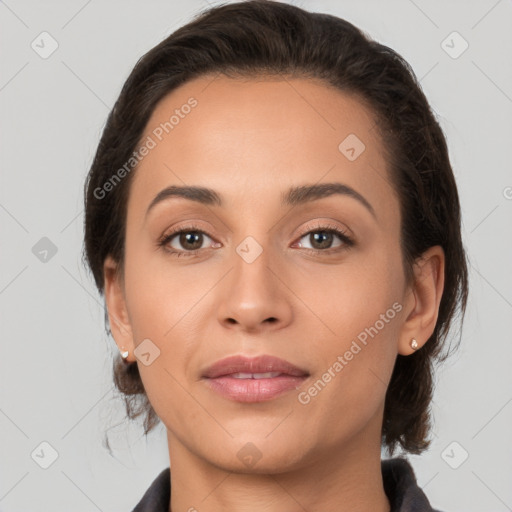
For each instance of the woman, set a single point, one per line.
(273, 220)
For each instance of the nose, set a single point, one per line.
(255, 295)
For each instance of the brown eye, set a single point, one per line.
(191, 240)
(322, 239)
(186, 240)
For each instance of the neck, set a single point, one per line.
(342, 481)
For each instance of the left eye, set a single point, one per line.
(323, 239)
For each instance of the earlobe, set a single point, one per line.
(426, 293)
(116, 308)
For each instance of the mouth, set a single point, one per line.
(258, 379)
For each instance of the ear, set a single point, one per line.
(423, 300)
(119, 320)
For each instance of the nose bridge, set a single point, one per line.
(255, 293)
(253, 243)
(253, 260)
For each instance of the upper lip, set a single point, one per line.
(260, 364)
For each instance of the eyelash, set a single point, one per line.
(348, 242)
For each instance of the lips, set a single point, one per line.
(242, 367)
(250, 380)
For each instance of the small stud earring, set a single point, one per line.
(414, 344)
(124, 355)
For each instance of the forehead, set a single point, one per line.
(253, 138)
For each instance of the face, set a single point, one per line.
(313, 278)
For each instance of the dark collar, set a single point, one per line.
(400, 486)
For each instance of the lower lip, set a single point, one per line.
(254, 390)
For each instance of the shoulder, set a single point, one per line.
(158, 496)
(401, 487)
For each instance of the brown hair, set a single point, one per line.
(263, 37)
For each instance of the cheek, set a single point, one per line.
(160, 293)
(350, 296)
(172, 305)
(163, 308)
(355, 326)
(354, 367)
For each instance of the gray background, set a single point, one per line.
(55, 364)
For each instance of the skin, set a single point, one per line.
(250, 140)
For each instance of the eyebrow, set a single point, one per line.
(293, 197)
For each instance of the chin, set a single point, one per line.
(259, 457)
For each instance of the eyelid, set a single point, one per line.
(187, 225)
(326, 224)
